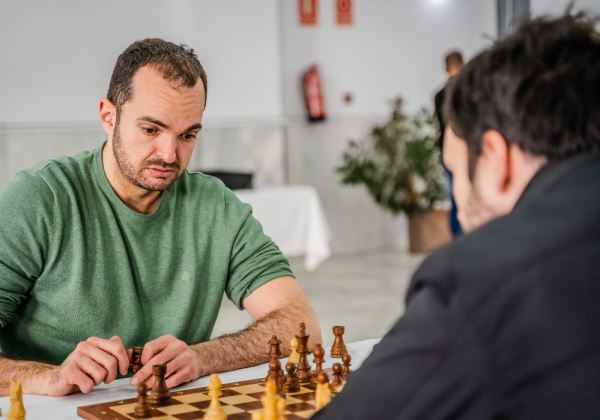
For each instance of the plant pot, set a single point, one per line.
(429, 230)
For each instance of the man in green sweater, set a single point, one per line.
(121, 247)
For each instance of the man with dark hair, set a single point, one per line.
(454, 62)
(123, 247)
(503, 323)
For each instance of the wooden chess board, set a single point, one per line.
(239, 400)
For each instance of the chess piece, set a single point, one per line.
(160, 393)
(323, 391)
(346, 359)
(214, 410)
(291, 381)
(17, 409)
(303, 366)
(294, 355)
(136, 359)
(275, 349)
(142, 409)
(336, 381)
(275, 371)
(270, 401)
(338, 348)
(319, 354)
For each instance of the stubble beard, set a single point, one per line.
(137, 177)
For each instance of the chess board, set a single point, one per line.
(239, 400)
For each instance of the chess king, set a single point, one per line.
(122, 246)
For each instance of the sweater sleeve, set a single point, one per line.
(255, 258)
(26, 208)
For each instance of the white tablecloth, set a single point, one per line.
(65, 408)
(293, 217)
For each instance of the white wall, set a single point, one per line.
(56, 57)
(394, 47)
(557, 7)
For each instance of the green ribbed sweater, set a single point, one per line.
(75, 261)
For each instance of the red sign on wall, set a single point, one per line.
(343, 12)
(307, 12)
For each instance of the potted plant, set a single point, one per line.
(399, 164)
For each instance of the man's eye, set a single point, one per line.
(149, 130)
(190, 136)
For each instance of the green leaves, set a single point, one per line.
(398, 163)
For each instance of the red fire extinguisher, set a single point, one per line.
(313, 94)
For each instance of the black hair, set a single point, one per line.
(539, 88)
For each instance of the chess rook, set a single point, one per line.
(338, 348)
(160, 393)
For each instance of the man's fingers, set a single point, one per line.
(91, 368)
(114, 346)
(80, 380)
(91, 350)
(152, 348)
(179, 377)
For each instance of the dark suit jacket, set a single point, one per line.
(438, 101)
(504, 323)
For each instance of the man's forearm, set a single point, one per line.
(32, 375)
(250, 346)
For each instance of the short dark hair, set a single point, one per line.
(538, 87)
(453, 59)
(177, 64)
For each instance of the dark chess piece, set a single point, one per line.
(275, 371)
(319, 354)
(346, 359)
(136, 359)
(142, 409)
(291, 381)
(336, 381)
(303, 367)
(275, 348)
(160, 394)
(338, 348)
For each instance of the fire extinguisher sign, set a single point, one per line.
(307, 12)
(343, 12)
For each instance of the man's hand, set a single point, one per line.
(93, 361)
(183, 362)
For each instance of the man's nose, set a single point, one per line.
(167, 148)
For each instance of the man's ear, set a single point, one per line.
(107, 114)
(496, 152)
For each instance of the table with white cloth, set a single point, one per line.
(65, 408)
(293, 217)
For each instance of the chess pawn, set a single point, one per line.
(323, 391)
(291, 381)
(142, 409)
(338, 348)
(17, 409)
(160, 393)
(336, 381)
(214, 410)
(319, 354)
(346, 359)
(294, 355)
